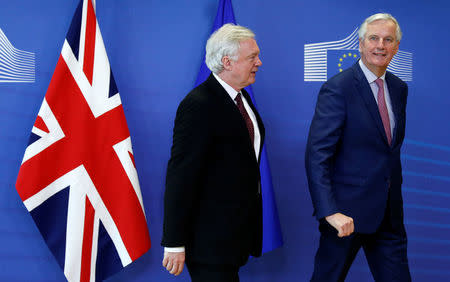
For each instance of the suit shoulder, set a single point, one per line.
(343, 75)
(197, 98)
(341, 79)
(339, 83)
(192, 110)
(394, 79)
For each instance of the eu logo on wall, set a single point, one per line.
(15, 65)
(325, 59)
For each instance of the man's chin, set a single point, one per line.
(249, 82)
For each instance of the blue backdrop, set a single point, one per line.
(155, 49)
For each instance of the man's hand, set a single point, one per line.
(343, 224)
(174, 262)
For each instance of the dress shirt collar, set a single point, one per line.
(370, 76)
(230, 90)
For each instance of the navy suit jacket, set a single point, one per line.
(350, 166)
(212, 202)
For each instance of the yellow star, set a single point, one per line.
(340, 70)
(354, 55)
(339, 65)
(345, 56)
(349, 54)
(340, 59)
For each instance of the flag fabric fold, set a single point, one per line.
(272, 236)
(78, 177)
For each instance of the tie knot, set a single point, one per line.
(238, 97)
(379, 82)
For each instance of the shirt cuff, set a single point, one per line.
(174, 250)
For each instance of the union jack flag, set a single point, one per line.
(78, 178)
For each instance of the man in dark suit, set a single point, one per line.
(212, 202)
(353, 161)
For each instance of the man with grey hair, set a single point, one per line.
(212, 202)
(353, 161)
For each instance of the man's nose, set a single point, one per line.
(381, 43)
(258, 62)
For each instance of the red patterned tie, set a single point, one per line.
(248, 121)
(383, 109)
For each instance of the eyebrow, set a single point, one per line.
(253, 54)
(386, 37)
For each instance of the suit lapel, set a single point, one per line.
(363, 87)
(234, 117)
(258, 120)
(396, 104)
(224, 100)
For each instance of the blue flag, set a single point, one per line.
(340, 59)
(272, 238)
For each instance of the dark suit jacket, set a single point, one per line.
(212, 202)
(350, 166)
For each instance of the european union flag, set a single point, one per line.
(340, 59)
(272, 237)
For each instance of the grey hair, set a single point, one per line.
(225, 42)
(380, 16)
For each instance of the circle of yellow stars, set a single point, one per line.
(341, 59)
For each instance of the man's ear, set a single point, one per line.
(226, 62)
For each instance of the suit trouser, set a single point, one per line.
(200, 272)
(385, 252)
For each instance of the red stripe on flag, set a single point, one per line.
(40, 124)
(89, 46)
(86, 252)
(132, 158)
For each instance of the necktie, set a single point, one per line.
(383, 109)
(248, 121)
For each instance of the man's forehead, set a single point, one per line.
(387, 22)
(389, 28)
(249, 44)
(247, 41)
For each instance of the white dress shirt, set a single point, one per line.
(371, 77)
